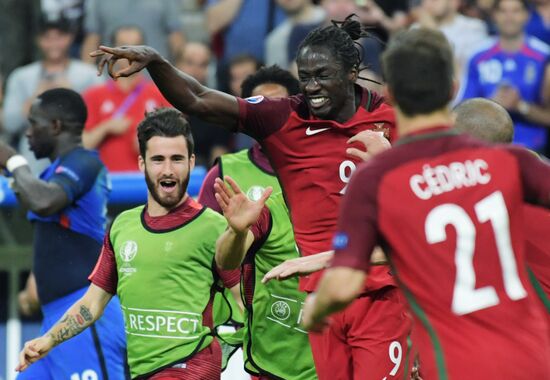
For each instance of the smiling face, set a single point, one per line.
(327, 87)
(167, 166)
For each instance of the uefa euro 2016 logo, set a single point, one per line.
(128, 251)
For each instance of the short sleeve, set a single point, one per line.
(76, 174)
(357, 231)
(261, 228)
(535, 176)
(229, 278)
(104, 274)
(259, 117)
(206, 194)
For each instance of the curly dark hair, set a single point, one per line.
(341, 39)
(271, 74)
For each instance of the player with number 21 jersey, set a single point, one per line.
(464, 199)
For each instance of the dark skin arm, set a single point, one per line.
(181, 90)
(41, 197)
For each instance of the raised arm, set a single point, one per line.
(241, 213)
(43, 198)
(80, 315)
(181, 90)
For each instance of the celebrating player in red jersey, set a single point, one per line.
(455, 237)
(306, 138)
(487, 120)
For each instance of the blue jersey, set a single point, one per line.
(491, 67)
(67, 244)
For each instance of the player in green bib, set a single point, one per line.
(260, 237)
(159, 259)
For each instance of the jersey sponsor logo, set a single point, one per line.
(340, 241)
(444, 178)
(311, 132)
(255, 193)
(255, 99)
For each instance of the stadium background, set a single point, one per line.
(221, 53)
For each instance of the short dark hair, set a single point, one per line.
(418, 67)
(60, 23)
(340, 39)
(524, 3)
(65, 105)
(164, 122)
(271, 74)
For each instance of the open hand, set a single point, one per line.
(240, 212)
(300, 266)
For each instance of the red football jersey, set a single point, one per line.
(309, 156)
(456, 241)
(537, 245)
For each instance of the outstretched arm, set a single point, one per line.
(181, 90)
(82, 314)
(241, 213)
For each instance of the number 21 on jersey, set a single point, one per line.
(466, 298)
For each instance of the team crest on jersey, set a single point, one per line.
(280, 310)
(381, 128)
(255, 99)
(255, 193)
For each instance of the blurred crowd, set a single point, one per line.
(500, 48)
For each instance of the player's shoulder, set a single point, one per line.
(538, 45)
(213, 217)
(484, 49)
(81, 157)
(127, 216)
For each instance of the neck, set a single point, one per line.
(55, 65)
(410, 124)
(155, 209)
(349, 108)
(65, 144)
(303, 14)
(127, 84)
(447, 19)
(512, 44)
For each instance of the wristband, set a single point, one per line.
(523, 107)
(15, 162)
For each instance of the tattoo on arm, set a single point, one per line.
(72, 325)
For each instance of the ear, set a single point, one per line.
(454, 89)
(57, 127)
(141, 164)
(192, 162)
(353, 74)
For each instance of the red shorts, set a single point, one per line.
(204, 365)
(368, 340)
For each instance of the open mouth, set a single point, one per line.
(318, 101)
(168, 185)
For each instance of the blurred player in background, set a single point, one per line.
(459, 250)
(307, 138)
(159, 259)
(68, 207)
